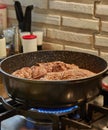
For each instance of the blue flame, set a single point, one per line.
(55, 110)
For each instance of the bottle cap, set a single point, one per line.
(29, 37)
(2, 6)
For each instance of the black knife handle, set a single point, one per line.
(27, 18)
(19, 14)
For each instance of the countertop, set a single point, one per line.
(3, 92)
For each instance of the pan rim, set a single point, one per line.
(53, 81)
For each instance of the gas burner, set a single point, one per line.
(56, 111)
(80, 116)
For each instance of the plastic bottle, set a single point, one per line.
(3, 16)
(3, 52)
(17, 40)
(29, 43)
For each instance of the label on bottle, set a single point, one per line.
(2, 48)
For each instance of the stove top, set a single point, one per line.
(85, 116)
(22, 123)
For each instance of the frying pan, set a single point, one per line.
(62, 93)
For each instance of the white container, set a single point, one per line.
(39, 35)
(3, 16)
(3, 53)
(21, 35)
(29, 43)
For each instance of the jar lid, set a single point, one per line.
(2, 6)
(29, 36)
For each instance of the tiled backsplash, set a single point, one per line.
(67, 24)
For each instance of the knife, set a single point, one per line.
(27, 18)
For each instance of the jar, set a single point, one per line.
(29, 43)
(39, 35)
(3, 16)
(3, 52)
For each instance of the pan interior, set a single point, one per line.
(83, 60)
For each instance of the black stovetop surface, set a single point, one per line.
(15, 120)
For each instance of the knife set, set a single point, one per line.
(32, 41)
(24, 21)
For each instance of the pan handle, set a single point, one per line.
(5, 104)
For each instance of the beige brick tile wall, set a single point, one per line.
(40, 18)
(92, 24)
(9, 2)
(80, 25)
(46, 18)
(11, 14)
(101, 40)
(101, 9)
(104, 55)
(90, 51)
(71, 6)
(104, 27)
(69, 36)
(52, 46)
(37, 3)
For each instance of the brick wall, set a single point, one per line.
(67, 24)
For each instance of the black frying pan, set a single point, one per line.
(53, 93)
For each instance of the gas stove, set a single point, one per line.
(82, 116)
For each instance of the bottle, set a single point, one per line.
(29, 43)
(21, 37)
(3, 16)
(3, 52)
(39, 35)
(17, 40)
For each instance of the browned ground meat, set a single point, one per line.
(38, 72)
(53, 71)
(52, 76)
(25, 72)
(57, 66)
(68, 74)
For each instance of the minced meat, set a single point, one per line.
(56, 70)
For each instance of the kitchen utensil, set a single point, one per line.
(53, 93)
(27, 18)
(19, 14)
(24, 21)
